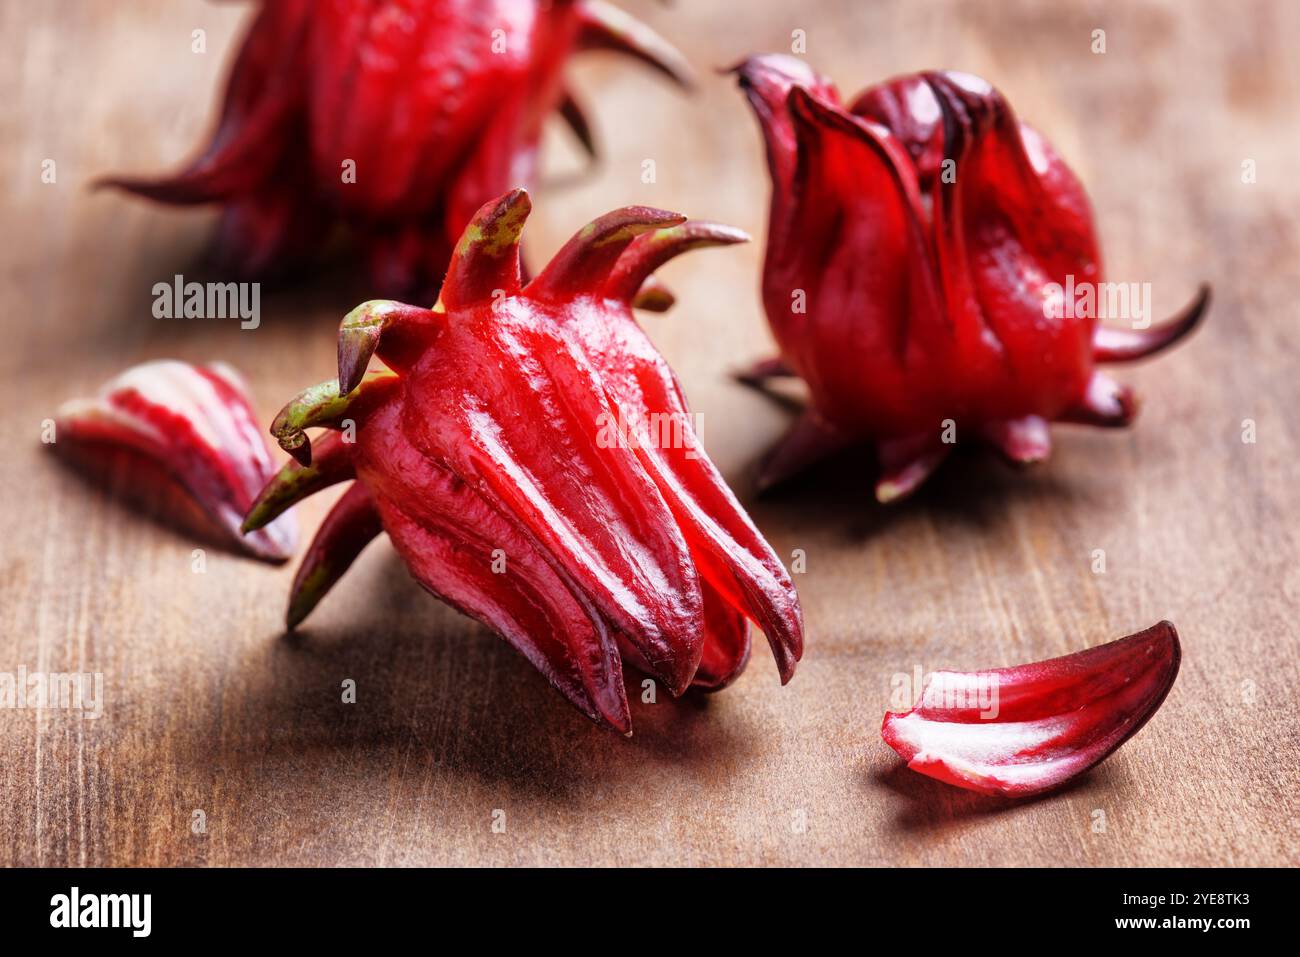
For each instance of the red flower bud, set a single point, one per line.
(1024, 730)
(923, 249)
(493, 452)
(398, 119)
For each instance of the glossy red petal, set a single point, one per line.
(1006, 169)
(907, 108)
(726, 642)
(196, 423)
(729, 552)
(767, 81)
(477, 559)
(1021, 731)
(535, 613)
(1002, 236)
(850, 270)
(405, 91)
(523, 427)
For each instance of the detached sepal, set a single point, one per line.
(1020, 731)
(196, 424)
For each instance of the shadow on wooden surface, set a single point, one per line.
(922, 803)
(974, 488)
(437, 687)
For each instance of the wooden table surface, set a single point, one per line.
(208, 706)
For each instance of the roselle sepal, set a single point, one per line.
(193, 424)
(392, 122)
(921, 240)
(1021, 731)
(482, 448)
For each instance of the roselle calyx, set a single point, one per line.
(920, 244)
(184, 424)
(396, 120)
(1021, 731)
(481, 448)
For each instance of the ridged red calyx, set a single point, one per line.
(183, 424)
(1020, 731)
(504, 453)
(928, 271)
(397, 119)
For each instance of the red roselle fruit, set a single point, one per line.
(505, 453)
(183, 424)
(929, 267)
(1024, 730)
(398, 119)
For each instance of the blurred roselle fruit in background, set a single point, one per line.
(1021, 731)
(532, 458)
(184, 424)
(398, 119)
(928, 264)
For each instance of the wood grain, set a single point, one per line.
(208, 706)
